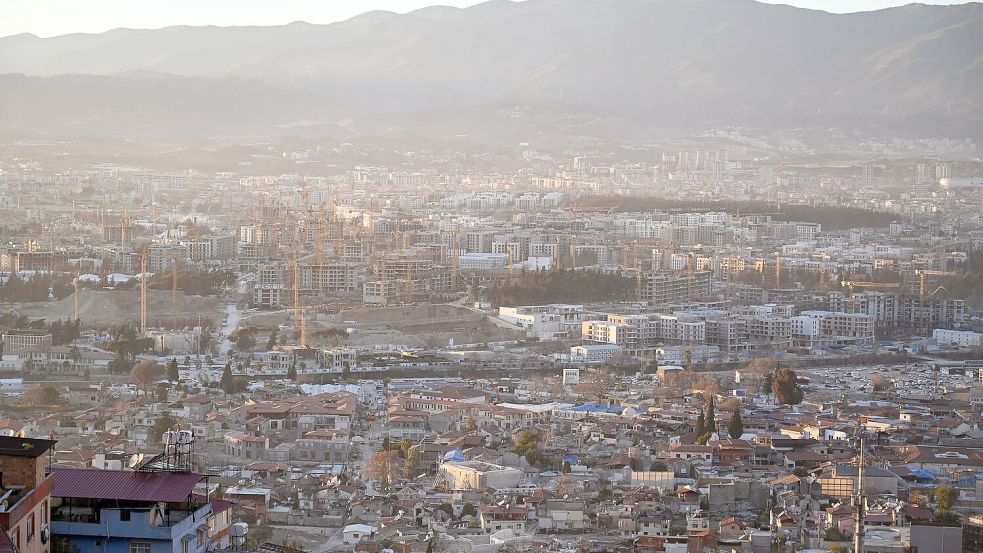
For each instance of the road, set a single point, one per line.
(232, 318)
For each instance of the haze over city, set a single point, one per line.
(642, 276)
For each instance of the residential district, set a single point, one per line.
(740, 345)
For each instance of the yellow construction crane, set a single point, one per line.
(922, 273)
(298, 309)
(851, 284)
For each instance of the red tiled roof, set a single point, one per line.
(124, 485)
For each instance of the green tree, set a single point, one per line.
(946, 498)
(527, 444)
(292, 372)
(736, 426)
(785, 386)
(228, 382)
(271, 342)
(173, 374)
(659, 466)
(164, 423)
(710, 422)
(701, 427)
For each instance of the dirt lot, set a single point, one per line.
(418, 326)
(110, 307)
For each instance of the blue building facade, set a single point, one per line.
(129, 512)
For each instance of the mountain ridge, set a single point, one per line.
(681, 62)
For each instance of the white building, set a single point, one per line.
(961, 338)
(483, 261)
(593, 353)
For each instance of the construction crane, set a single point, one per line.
(778, 271)
(455, 258)
(174, 292)
(574, 253)
(922, 273)
(78, 290)
(297, 306)
(851, 284)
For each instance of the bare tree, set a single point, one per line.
(145, 374)
(385, 466)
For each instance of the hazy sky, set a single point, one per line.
(55, 17)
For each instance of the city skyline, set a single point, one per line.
(48, 18)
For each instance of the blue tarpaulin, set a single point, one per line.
(454, 455)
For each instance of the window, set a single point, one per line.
(124, 515)
(185, 546)
(30, 528)
(15, 538)
(44, 513)
(139, 547)
(202, 535)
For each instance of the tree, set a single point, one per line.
(711, 419)
(472, 424)
(40, 396)
(411, 466)
(228, 382)
(880, 383)
(404, 446)
(785, 386)
(164, 423)
(385, 466)
(701, 425)
(119, 364)
(946, 498)
(708, 384)
(597, 384)
(173, 374)
(688, 358)
(245, 339)
(271, 342)
(145, 374)
(767, 381)
(736, 426)
(659, 466)
(292, 372)
(527, 444)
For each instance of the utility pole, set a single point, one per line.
(858, 534)
(77, 291)
(143, 293)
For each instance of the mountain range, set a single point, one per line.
(675, 64)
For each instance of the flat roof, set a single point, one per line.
(24, 447)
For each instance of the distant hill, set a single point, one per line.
(679, 63)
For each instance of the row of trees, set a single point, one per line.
(562, 286)
(37, 287)
(830, 217)
(195, 282)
